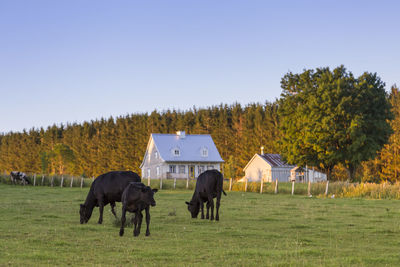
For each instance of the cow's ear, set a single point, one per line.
(155, 190)
(187, 203)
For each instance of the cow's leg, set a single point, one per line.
(147, 221)
(202, 208)
(101, 208)
(135, 221)
(123, 219)
(208, 209)
(210, 203)
(217, 206)
(112, 204)
(139, 222)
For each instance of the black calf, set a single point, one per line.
(136, 198)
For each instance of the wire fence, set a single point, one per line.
(317, 189)
(50, 180)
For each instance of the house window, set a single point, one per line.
(182, 169)
(172, 168)
(204, 152)
(201, 169)
(158, 171)
(175, 152)
(156, 155)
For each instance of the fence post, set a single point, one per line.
(148, 181)
(34, 180)
(72, 181)
(175, 183)
(262, 185)
(62, 181)
(230, 184)
(187, 183)
(309, 188)
(293, 188)
(160, 183)
(326, 189)
(245, 186)
(276, 186)
(52, 181)
(42, 179)
(81, 182)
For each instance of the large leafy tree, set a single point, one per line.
(331, 117)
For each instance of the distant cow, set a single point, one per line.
(106, 188)
(136, 198)
(19, 177)
(209, 185)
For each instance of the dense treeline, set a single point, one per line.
(94, 147)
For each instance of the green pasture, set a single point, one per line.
(39, 226)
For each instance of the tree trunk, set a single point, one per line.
(328, 171)
(351, 169)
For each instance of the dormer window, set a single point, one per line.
(176, 152)
(204, 152)
(156, 155)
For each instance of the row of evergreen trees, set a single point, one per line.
(95, 147)
(98, 146)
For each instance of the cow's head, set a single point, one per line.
(194, 208)
(147, 195)
(85, 213)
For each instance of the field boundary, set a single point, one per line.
(319, 189)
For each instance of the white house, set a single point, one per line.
(179, 156)
(270, 167)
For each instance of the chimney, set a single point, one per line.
(181, 134)
(262, 150)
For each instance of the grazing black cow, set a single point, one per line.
(208, 186)
(19, 177)
(106, 188)
(136, 198)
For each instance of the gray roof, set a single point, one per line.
(274, 160)
(190, 147)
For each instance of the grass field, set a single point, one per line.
(40, 226)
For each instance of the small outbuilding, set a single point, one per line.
(269, 167)
(180, 156)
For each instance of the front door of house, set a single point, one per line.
(191, 171)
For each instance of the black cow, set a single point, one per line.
(19, 177)
(208, 186)
(106, 188)
(136, 198)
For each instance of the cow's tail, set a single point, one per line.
(221, 183)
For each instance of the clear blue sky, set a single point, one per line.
(71, 61)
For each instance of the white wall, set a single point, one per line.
(257, 169)
(316, 176)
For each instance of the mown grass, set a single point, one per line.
(40, 226)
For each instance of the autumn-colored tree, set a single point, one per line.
(390, 154)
